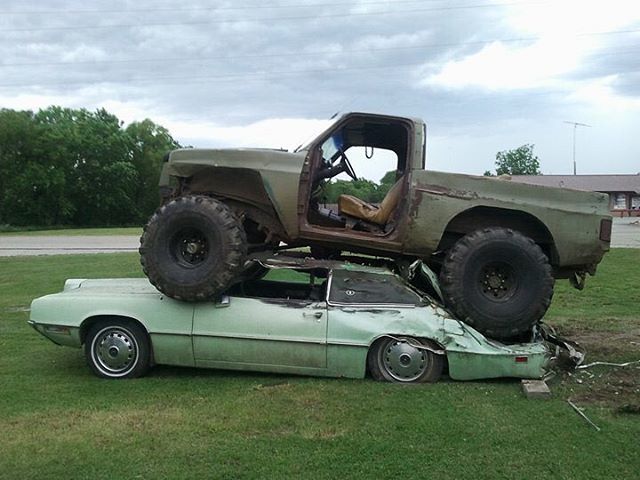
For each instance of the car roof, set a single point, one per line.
(301, 261)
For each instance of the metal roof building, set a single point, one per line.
(623, 190)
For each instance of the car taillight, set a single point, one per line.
(605, 229)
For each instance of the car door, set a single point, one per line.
(241, 332)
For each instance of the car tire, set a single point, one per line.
(193, 248)
(401, 360)
(117, 349)
(498, 281)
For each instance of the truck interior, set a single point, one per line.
(359, 135)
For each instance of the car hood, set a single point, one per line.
(109, 286)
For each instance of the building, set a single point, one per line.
(623, 190)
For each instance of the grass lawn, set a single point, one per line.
(58, 421)
(75, 231)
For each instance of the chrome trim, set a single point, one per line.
(261, 338)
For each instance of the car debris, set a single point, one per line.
(583, 415)
(495, 246)
(609, 364)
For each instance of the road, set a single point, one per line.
(626, 233)
(17, 245)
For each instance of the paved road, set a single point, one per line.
(626, 233)
(11, 245)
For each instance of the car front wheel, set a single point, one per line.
(405, 360)
(117, 349)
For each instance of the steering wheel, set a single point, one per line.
(345, 166)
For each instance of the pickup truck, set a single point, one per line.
(496, 245)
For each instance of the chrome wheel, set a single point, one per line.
(402, 361)
(114, 351)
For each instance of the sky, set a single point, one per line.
(486, 75)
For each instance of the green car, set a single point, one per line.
(334, 319)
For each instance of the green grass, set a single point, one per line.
(73, 231)
(58, 421)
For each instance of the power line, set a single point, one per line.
(270, 19)
(205, 9)
(319, 52)
(208, 78)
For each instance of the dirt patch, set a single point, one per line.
(606, 346)
(615, 387)
(606, 386)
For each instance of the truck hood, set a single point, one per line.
(185, 162)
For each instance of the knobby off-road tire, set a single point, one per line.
(193, 248)
(400, 360)
(498, 281)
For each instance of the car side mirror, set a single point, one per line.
(223, 301)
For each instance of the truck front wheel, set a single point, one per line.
(498, 281)
(193, 248)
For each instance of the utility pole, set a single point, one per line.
(575, 127)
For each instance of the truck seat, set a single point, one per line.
(378, 214)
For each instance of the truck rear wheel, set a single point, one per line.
(498, 281)
(193, 248)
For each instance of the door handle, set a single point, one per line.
(317, 315)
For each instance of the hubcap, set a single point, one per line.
(404, 362)
(115, 351)
(190, 247)
(497, 281)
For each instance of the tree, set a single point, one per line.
(150, 143)
(62, 166)
(520, 161)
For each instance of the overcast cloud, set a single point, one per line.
(486, 75)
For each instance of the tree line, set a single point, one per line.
(69, 167)
(62, 166)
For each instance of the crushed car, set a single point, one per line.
(327, 318)
(496, 246)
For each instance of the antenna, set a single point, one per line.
(575, 126)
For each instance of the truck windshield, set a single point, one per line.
(332, 146)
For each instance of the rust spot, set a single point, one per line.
(447, 192)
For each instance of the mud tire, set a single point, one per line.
(498, 281)
(193, 248)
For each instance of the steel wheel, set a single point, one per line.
(401, 359)
(117, 349)
(189, 247)
(498, 281)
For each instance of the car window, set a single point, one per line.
(284, 284)
(370, 289)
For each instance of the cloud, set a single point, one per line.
(504, 67)
(235, 76)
